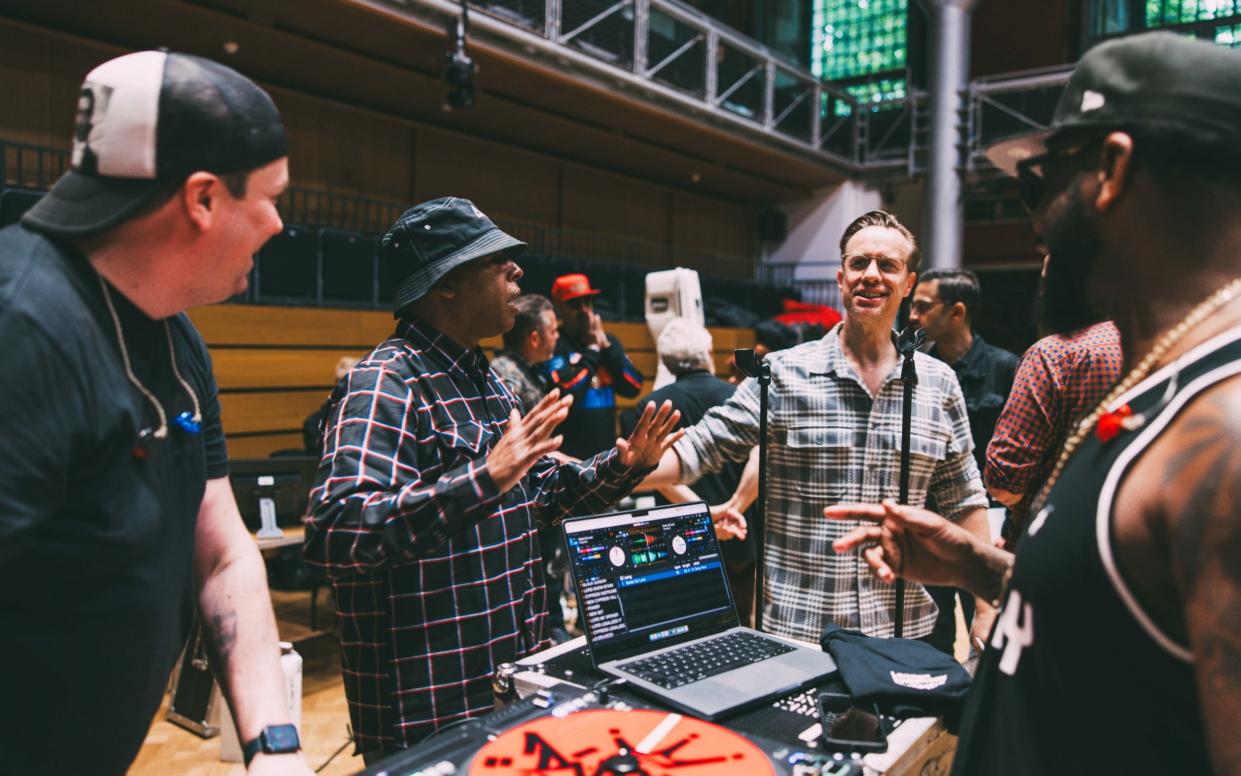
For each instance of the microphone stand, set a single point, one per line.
(759, 369)
(907, 343)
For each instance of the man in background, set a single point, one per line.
(527, 345)
(591, 366)
(945, 303)
(1060, 379)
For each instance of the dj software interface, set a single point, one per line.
(648, 578)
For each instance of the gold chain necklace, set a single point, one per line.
(1173, 336)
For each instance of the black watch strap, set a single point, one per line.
(274, 739)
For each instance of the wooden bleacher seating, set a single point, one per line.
(275, 365)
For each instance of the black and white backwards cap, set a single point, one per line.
(149, 119)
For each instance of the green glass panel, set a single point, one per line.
(854, 38)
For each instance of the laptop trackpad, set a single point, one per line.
(769, 673)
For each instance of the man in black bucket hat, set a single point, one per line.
(426, 510)
(1118, 647)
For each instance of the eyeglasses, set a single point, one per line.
(922, 307)
(1031, 177)
(857, 263)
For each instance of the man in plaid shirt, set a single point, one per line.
(834, 431)
(432, 485)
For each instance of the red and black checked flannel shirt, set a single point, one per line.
(1059, 380)
(437, 575)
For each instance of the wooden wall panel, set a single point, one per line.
(711, 225)
(599, 202)
(239, 324)
(348, 151)
(247, 412)
(262, 446)
(40, 76)
(278, 368)
(501, 180)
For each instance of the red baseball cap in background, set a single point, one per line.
(572, 286)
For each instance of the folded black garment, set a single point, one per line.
(905, 678)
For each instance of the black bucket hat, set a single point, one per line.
(430, 239)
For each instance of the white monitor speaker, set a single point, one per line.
(673, 293)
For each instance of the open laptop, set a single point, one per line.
(654, 595)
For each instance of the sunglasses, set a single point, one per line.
(1031, 177)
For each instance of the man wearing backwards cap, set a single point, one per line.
(115, 506)
(1118, 649)
(426, 507)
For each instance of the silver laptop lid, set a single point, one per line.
(648, 578)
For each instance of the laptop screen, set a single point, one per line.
(647, 576)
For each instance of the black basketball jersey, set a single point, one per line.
(1076, 677)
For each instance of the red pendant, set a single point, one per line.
(1112, 423)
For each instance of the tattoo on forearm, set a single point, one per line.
(221, 637)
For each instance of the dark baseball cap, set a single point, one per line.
(430, 239)
(1156, 80)
(152, 118)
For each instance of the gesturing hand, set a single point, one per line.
(908, 542)
(597, 333)
(651, 437)
(527, 440)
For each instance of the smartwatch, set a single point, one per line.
(274, 739)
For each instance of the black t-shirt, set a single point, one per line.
(96, 542)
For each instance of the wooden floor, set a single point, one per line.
(170, 749)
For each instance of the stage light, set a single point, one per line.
(459, 69)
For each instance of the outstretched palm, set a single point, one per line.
(651, 437)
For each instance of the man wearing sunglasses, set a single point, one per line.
(1118, 647)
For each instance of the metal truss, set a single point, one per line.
(669, 52)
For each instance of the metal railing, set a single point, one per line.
(670, 52)
(24, 166)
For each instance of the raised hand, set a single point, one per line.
(918, 545)
(527, 440)
(597, 334)
(651, 437)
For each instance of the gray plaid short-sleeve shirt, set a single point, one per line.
(831, 442)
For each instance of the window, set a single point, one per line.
(856, 40)
(1215, 20)
(1165, 13)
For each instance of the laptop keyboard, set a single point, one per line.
(705, 659)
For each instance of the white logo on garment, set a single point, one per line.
(1014, 631)
(1091, 101)
(1041, 518)
(919, 681)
